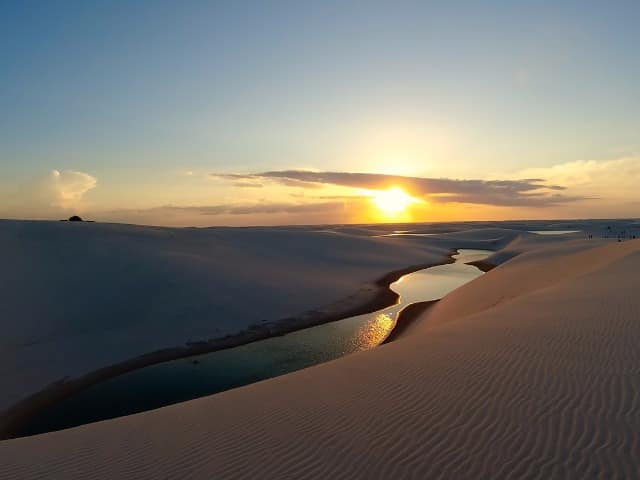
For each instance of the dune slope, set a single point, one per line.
(79, 297)
(543, 382)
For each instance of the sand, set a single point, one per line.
(531, 371)
(370, 298)
(78, 299)
(406, 317)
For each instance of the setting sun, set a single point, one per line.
(393, 201)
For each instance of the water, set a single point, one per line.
(408, 234)
(187, 378)
(553, 232)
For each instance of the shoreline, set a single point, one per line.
(411, 312)
(406, 317)
(379, 296)
(482, 265)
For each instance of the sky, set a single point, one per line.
(264, 113)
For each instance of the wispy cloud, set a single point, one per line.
(231, 214)
(530, 192)
(240, 209)
(611, 178)
(247, 185)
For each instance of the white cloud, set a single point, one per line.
(607, 179)
(68, 187)
(613, 185)
(50, 195)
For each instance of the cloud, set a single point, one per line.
(257, 208)
(611, 178)
(247, 185)
(68, 187)
(611, 184)
(50, 195)
(231, 214)
(251, 180)
(236, 209)
(530, 192)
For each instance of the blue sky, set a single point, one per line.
(149, 98)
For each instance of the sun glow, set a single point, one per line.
(392, 202)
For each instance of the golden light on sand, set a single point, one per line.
(392, 202)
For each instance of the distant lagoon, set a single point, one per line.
(554, 232)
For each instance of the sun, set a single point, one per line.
(393, 201)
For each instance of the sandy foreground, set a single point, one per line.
(532, 371)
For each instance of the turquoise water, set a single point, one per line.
(192, 377)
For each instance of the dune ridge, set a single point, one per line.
(543, 384)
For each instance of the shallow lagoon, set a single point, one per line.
(553, 232)
(192, 377)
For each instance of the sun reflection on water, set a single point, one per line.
(372, 333)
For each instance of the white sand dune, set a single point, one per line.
(77, 297)
(532, 371)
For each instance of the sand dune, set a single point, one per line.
(531, 371)
(76, 298)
